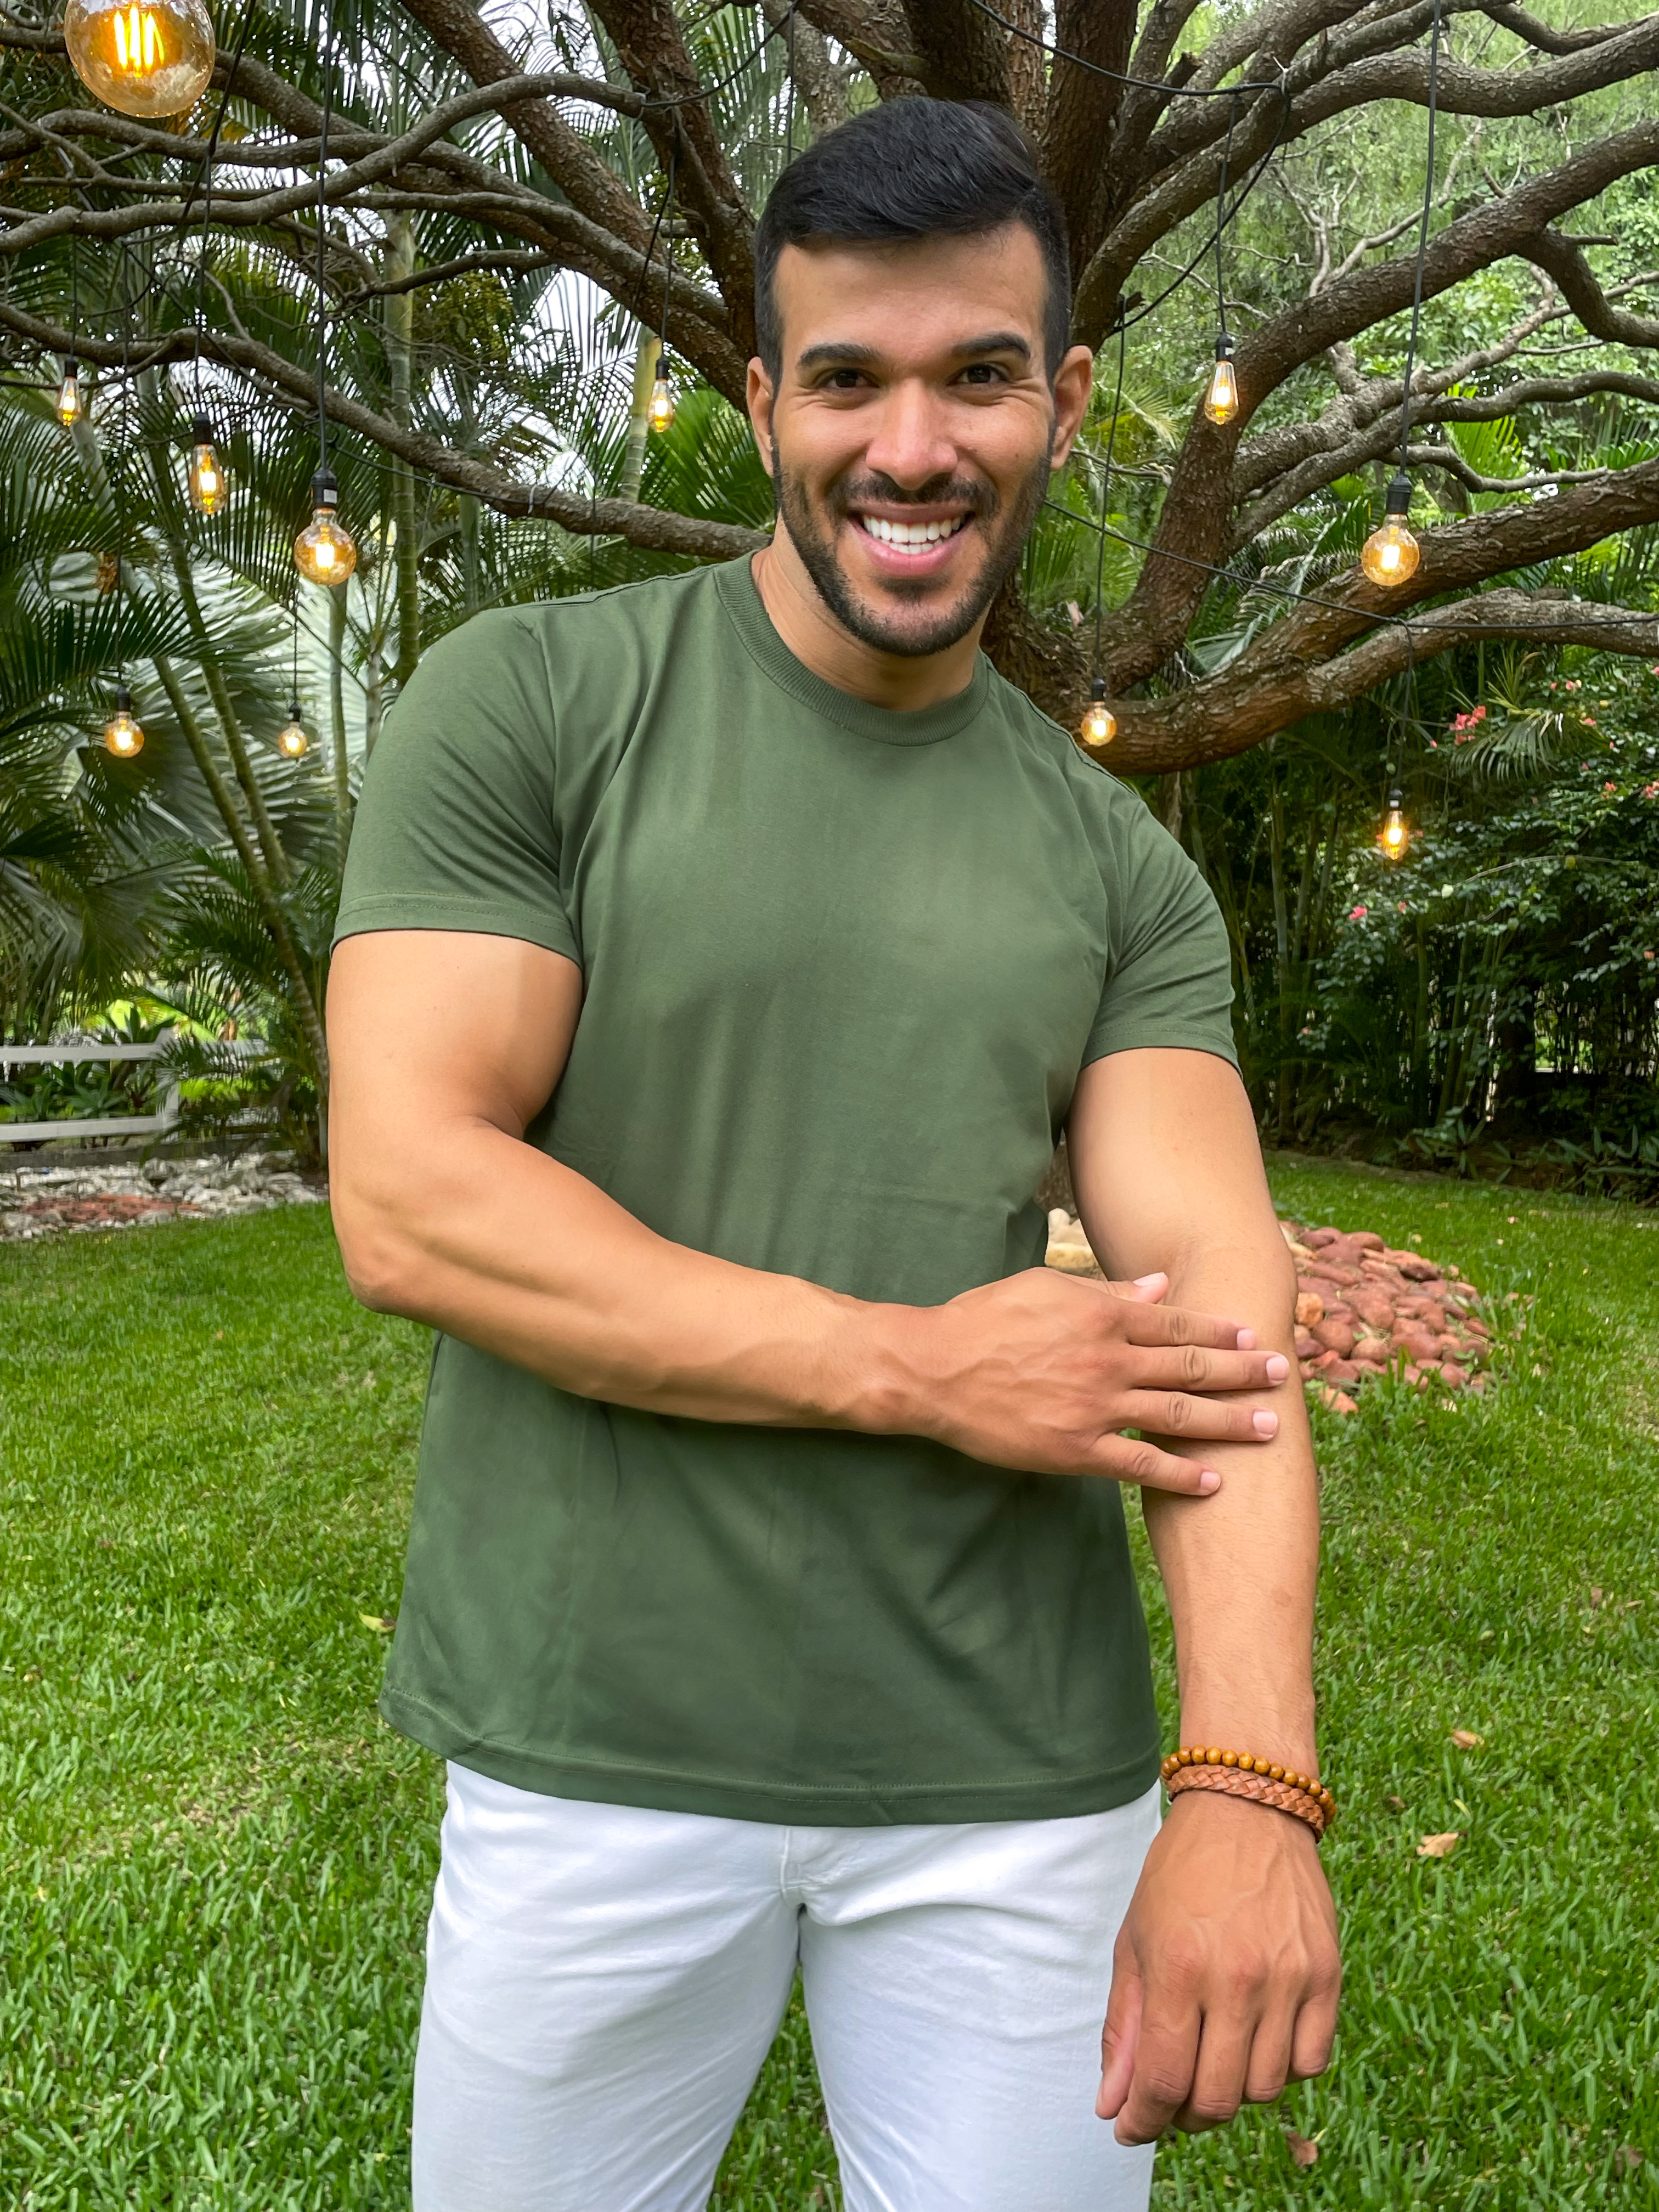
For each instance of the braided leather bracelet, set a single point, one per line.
(1237, 1774)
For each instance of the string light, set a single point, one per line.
(208, 488)
(324, 551)
(70, 405)
(1221, 400)
(659, 410)
(144, 58)
(1099, 724)
(291, 739)
(1395, 837)
(1390, 555)
(121, 735)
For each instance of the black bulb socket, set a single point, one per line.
(201, 431)
(71, 366)
(1397, 798)
(294, 710)
(1397, 501)
(325, 488)
(1223, 347)
(1098, 689)
(123, 699)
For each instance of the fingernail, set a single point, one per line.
(1208, 1481)
(1246, 1339)
(1145, 1282)
(1278, 1367)
(1266, 1425)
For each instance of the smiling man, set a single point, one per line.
(720, 958)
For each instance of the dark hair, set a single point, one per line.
(912, 169)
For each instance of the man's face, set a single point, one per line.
(913, 430)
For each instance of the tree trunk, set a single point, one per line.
(337, 638)
(639, 430)
(400, 358)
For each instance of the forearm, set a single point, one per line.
(1239, 1568)
(487, 1238)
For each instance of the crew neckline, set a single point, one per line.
(888, 726)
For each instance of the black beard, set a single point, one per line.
(1005, 542)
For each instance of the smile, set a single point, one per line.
(911, 538)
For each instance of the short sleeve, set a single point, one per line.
(456, 827)
(1170, 978)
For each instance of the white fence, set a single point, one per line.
(71, 1125)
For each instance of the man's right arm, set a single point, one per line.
(444, 1045)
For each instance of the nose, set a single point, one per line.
(911, 441)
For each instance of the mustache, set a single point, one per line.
(979, 499)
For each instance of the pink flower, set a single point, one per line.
(1402, 906)
(1650, 791)
(1357, 912)
(1571, 683)
(1479, 715)
(1609, 787)
(1589, 723)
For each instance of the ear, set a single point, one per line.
(1073, 381)
(759, 398)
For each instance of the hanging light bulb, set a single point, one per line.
(1221, 400)
(69, 402)
(291, 738)
(209, 486)
(121, 735)
(1099, 724)
(142, 56)
(1396, 834)
(326, 551)
(659, 412)
(1391, 554)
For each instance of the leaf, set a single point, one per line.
(381, 1623)
(1394, 1804)
(1467, 1739)
(1303, 2151)
(1628, 2158)
(1595, 1596)
(1440, 1847)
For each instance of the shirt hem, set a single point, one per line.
(841, 1805)
(367, 915)
(1155, 1037)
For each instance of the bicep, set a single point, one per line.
(1167, 1166)
(427, 1025)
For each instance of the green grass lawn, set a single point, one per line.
(214, 1861)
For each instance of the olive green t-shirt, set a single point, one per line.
(842, 967)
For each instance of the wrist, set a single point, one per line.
(885, 1369)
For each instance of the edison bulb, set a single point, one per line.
(208, 488)
(660, 413)
(144, 58)
(324, 551)
(1099, 724)
(1395, 836)
(1221, 400)
(121, 735)
(1391, 554)
(291, 738)
(70, 404)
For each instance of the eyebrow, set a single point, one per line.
(864, 356)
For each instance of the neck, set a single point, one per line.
(798, 613)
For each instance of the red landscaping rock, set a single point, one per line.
(1367, 1308)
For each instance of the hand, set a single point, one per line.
(1225, 1977)
(1041, 1371)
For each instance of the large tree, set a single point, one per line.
(442, 132)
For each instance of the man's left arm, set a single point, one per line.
(1225, 1978)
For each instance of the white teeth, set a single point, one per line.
(910, 536)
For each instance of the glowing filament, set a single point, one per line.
(660, 413)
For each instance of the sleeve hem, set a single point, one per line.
(531, 926)
(1157, 1036)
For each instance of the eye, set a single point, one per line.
(984, 372)
(841, 380)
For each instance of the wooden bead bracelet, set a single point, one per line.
(1237, 1774)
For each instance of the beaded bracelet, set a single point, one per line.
(1237, 1774)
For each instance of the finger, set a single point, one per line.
(1127, 1459)
(1172, 1414)
(1146, 1290)
(1269, 2067)
(1119, 2036)
(1166, 2051)
(1314, 2034)
(1224, 2058)
(1191, 1367)
(1143, 1323)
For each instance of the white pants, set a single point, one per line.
(603, 1985)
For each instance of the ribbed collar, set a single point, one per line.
(923, 725)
